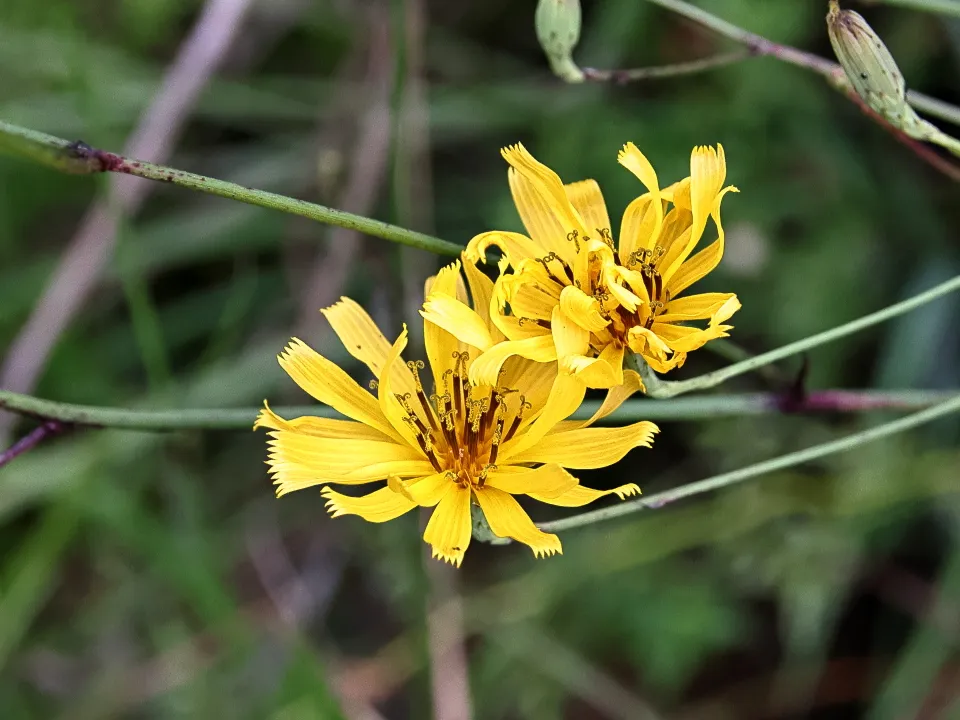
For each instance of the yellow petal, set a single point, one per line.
(507, 519)
(586, 197)
(696, 267)
(298, 461)
(695, 307)
(515, 328)
(627, 299)
(602, 372)
(458, 319)
(568, 337)
(530, 297)
(448, 531)
(589, 448)
(538, 216)
(532, 379)
(326, 382)
(481, 293)
(389, 403)
(439, 344)
(514, 246)
(636, 162)
(643, 217)
(485, 369)
(583, 309)
(726, 310)
(640, 226)
(663, 365)
(379, 506)
(678, 194)
(548, 480)
(646, 342)
(614, 399)
(424, 491)
(548, 186)
(320, 427)
(565, 397)
(333, 456)
(674, 236)
(387, 469)
(580, 495)
(630, 284)
(591, 252)
(362, 338)
(683, 339)
(708, 170)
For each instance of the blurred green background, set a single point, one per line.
(155, 576)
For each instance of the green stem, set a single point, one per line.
(947, 7)
(79, 158)
(693, 408)
(934, 107)
(666, 388)
(716, 482)
(665, 71)
(759, 45)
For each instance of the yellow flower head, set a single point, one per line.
(578, 296)
(460, 445)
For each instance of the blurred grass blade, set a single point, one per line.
(30, 574)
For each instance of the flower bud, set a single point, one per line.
(558, 30)
(869, 66)
(874, 76)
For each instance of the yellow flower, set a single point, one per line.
(463, 444)
(577, 296)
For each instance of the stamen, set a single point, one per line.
(498, 430)
(545, 261)
(483, 474)
(638, 256)
(657, 286)
(414, 366)
(404, 401)
(373, 384)
(477, 409)
(607, 237)
(572, 236)
(524, 405)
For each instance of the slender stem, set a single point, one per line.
(693, 408)
(665, 71)
(716, 482)
(30, 441)
(665, 388)
(934, 107)
(79, 158)
(924, 152)
(730, 351)
(947, 7)
(759, 45)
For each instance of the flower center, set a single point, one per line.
(461, 430)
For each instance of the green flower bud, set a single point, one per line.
(870, 68)
(558, 30)
(874, 75)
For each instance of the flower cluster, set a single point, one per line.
(486, 417)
